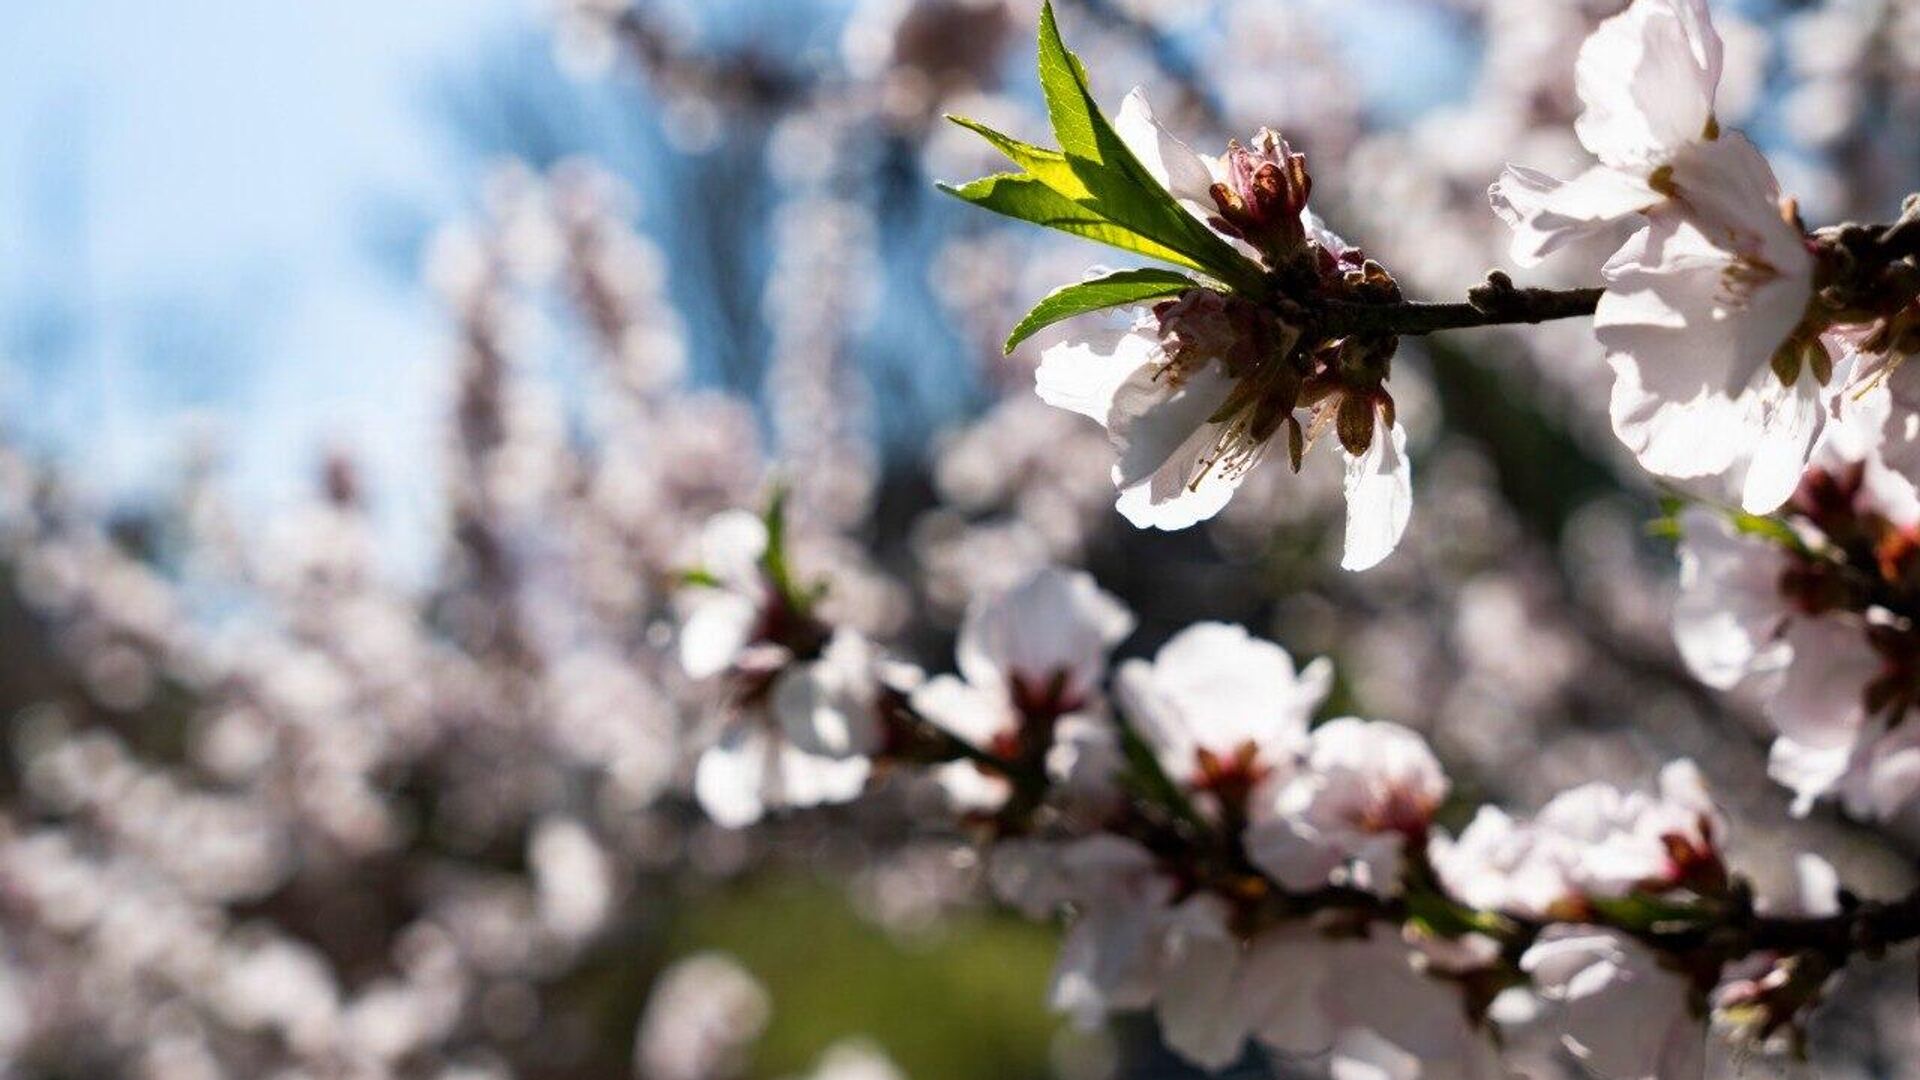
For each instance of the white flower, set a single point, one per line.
(1829, 741)
(1169, 465)
(1696, 307)
(1224, 712)
(1379, 491)
(1622, 841)
(1754, 612)
(804, 745)
(722, 618)
(1180, 454)
(1701, 298)
(1358, 1005)
(1499, 864)
(1731, 609)
(1593, 841)
(1368, 788)
(1616, 1009)
(1033, 655)
(1188, 177)
(1647, 78)
(1121, 900)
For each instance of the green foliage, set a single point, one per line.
(1771, 529)
(1641, 913)
(1767, 528)
(1027, 198)
(927, 1002)
(1114, 290)
(1442, 917)
(1050, 167)
(1093, 186)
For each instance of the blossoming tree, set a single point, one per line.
(1251, 876)
(264, 812)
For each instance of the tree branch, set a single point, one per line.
(1498, 302)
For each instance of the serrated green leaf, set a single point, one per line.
(1113, 290)
(1026, 198)
(1050, 167)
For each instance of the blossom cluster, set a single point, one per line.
(1813, 612)
(1253, 874)
(1724, 320)
(271, 812)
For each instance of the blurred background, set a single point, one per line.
(366, 368)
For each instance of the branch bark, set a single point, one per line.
(1498, 302)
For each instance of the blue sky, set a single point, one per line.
(187, 192)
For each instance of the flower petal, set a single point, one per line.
(718, 627)
(1082, 375)
(1379, 490)
(1547, 214)
(1648, 77)
(1181, 171)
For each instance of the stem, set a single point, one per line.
(1496, 303)
(1869, 927)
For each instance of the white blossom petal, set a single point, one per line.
(1727, 618)
(716, 630)
(1181, 171)
(1379, 490)
(1648, 77)
(1082, 374)
(1548, 214)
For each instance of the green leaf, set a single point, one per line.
(1119, 188)
(1146, 777)
(774, 559)
(1027, 198)
(1063, 81)
(1448, 919)
(1767, 528)
(1113, 290)
(1050, 167)
(1640, 912)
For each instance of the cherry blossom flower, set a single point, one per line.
(1225, 713)
(1122, 901)
(1647, 79)
(1816, 621)
(721, 620)
(1032, 661)
(1701, 321)
(1368, 789)
(799, 713)
(1704, 304)
(1194, 392)
(1361, 1006)
(1590, 842)
(804, 745)
(1615, 1007)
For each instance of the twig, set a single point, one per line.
(1498, 302)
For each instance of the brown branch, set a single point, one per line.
(1867, 928)
(1498, 302)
